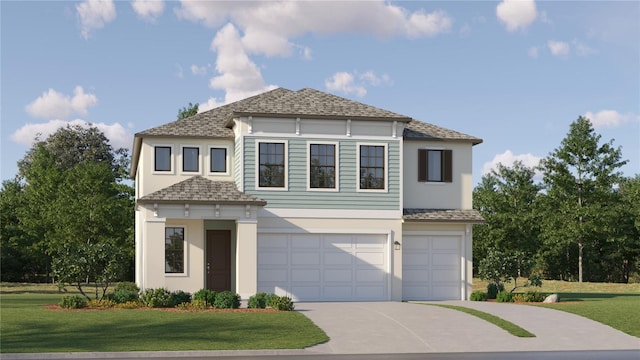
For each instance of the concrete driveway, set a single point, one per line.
(394, 327)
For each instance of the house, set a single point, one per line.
(306, 194)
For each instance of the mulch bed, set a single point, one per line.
(56, 307)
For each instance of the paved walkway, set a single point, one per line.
(393, 327)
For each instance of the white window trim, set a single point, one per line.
(181, 160)
(172, 161)
(257, 164)
(185, 253)
(337, 165)
(386, 167)
(227, 160)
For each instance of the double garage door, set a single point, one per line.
(431, 267)
(324, 267)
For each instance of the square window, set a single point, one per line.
(162, 158)
(435, 165)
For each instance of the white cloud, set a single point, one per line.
(508, 158)
(118, 136)
(198, 70)
(239, 76)
(582, 49)
(209, 104)
(428, 24)
(345, 82)
(52, 104)
(610, 118)
(94, 14)
(533, 52)
(559, 48)
(148, 10)
(517, 14)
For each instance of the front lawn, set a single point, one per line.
(29, 326)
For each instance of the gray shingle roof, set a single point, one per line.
(418, 130)
(441, 215)
(200, 190)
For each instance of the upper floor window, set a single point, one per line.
(174, 250)
(162, 158)
(434, 165)
(322, 166)
(190, 159)
(271, 164)
(218, 160)
(372, 167)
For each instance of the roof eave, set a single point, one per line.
(473, 141)
(402, 119)
(202, 202)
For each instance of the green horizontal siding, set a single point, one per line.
(347, 197)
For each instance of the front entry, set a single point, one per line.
(218, 266)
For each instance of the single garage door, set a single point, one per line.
(431, 267)
(323, 267)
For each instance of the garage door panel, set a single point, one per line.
(445, 259)
(273, 241)
(414, 275)
(416, 292)
(446, 275)
(329, 267)
(445, 292)
(422, 258)
(415, 243)
(446, 243)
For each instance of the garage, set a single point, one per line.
(324, 267)
(431, 267)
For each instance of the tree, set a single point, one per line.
(500, 268)
(579, 181)
(190, 110)
(506, 198)
(14, 244)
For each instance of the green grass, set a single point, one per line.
(28, 326)
(508, 326)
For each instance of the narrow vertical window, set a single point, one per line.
(162, 158)
(190, 159)
(218, 158)
(174, 250)
(322, 166)
(271, 165)
(372, 170)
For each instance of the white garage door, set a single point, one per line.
(323, 267)
(431, 267)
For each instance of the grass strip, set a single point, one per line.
(508, 326)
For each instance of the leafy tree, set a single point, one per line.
(190, 110)
(506, 198)
(15, 258)
(501, 268)
(579, 180)
(623, 248)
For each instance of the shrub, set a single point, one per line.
(205, 295)
(518, 298)
(129, 305)
(504, 296)
(73, 302)
(156, 298)
(271, 300)
(180, 297)
(258, 301)
(103, 303)
(533, 296)
(128, 286)
(283, 303)
(493, 290)
(123, 295)
(227, 300)
(194, 305)
(478, 296)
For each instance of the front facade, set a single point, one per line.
(305, 194)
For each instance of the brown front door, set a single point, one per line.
(218, 266)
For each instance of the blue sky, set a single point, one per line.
(515, 73)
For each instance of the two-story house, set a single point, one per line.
(306, 194)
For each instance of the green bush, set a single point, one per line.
(518, 297)
(283, 303)
(194, 305)
(227, 300)
(156, 298)
(533, 296)
(73, 302)
(127, 286)
(180, 297)
(258, 301)
(504, 296)
(493, 290)
(121, 296)
(205, 295)
(271, 300)
(478, 296)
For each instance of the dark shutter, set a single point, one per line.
(422, 165)
(447, 164)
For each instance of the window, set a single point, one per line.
(162, 158)
(174, 250)
(434, 165)
(322, 166)
(218, 160)
(190, 159)
(271, 165)
(372, 167)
